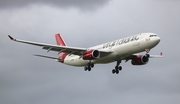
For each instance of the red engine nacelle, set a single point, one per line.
(140, 60)
(91, 54)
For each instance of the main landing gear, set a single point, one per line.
(117, 68)
(89, 66)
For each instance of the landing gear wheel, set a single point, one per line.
(120, 68)
(117, 71)
(113, 71)
(89, 68)
(117, 68)
(92, 65)
(85, 68)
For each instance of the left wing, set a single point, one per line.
(57, 48)
(156, 56)
(149, 56)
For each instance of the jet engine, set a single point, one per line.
(140, 60)
(91, 54)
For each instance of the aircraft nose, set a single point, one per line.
(157, 40)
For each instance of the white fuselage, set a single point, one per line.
(121, 48)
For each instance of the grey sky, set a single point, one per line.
(25, 79)
(82, 4)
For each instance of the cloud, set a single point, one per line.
(82, 4)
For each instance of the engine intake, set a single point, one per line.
(140, 60)
(91, 54)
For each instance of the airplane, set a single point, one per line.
(114, 51)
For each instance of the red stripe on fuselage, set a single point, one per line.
(62, 56)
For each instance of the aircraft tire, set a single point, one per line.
(92, 65)
(117, 71)
(120, 68)
(89, 68)
(85, 68)
(113, 71)
(116, 67)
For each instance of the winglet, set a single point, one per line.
(11, 37)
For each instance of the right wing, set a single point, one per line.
(57, 48)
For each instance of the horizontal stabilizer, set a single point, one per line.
(47, 57)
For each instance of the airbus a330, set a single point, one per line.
(114, 51)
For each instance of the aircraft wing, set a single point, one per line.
(150, 56)
(57, 48)
(156, 56)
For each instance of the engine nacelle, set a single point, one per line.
(91, 54)
(140, 60)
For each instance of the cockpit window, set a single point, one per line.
(153, 36)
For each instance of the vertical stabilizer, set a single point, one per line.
(59, 40)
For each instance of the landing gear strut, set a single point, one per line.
(89, 66)
(147, 52)
(117, 68)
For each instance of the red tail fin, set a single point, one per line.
(59, 40)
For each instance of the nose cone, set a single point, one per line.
(154, 41)
(157, 40)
